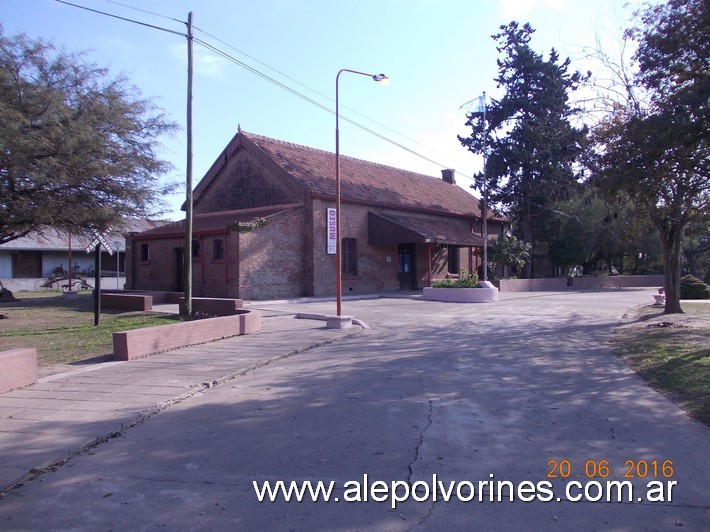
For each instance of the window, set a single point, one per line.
(145, 256)
(195, 249)
(349, 252)
(453, 253)
(218, 249)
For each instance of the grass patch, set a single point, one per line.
(62, 330)
(672, 354)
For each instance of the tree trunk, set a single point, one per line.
(671, 237)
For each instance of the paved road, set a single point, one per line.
(468, 393)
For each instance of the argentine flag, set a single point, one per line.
(477, 106)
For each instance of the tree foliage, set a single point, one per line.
(78, 149)
(696, 249)
(657, 153)
(613, 232)
(507, 250)
(528, 140)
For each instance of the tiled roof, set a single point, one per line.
(216, 221)
(432, 230)
(49, 239)
(366, 182)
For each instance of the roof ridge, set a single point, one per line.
(319, 150)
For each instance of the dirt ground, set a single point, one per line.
(696, 318)
(671, 352)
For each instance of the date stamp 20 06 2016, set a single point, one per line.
(654, 469)
(602, 481)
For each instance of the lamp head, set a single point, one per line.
(381, 79)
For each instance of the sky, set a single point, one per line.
(438, 54)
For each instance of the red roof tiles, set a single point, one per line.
(217, 221)
(366, 182)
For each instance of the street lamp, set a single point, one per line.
(383, 80)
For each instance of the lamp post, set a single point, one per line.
(379, 78)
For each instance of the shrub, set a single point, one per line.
(443, 283)
(693, 288)
(464, 281)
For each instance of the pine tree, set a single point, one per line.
(531, 146)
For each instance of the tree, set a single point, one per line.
(696, 249)
(78, 150)
(529, 142)
(657, 153)
(507, 250)
(612, 231)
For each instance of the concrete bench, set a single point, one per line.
(18, 368)
(138, 343)
(159, 297)
(126, 301)
(215, 306)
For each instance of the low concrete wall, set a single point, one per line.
(18, 368)
(618, 281)
(216, 306)
(532, 285)
(555, 284)
(138, 343)
(159, 298)
(144, 299)
(126, 301)
(461, 295)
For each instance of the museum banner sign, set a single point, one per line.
(332, 229)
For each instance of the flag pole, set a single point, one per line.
(485, 196)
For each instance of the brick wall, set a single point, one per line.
(375, 272)
(158, 273)
(323, 265)
(272, 258)
(439, 264)
(247, 182)
(161, 270)
(209, 273)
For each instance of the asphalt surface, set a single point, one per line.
(471, 394)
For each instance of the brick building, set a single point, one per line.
(260, 227)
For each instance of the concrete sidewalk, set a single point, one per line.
(43, 425)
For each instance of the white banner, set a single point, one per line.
(332, 231)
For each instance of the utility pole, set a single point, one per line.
(187, 261)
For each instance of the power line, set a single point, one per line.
(145, 11)
(312, 89)
(270, 79)
(123, 18)
(312, 101)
